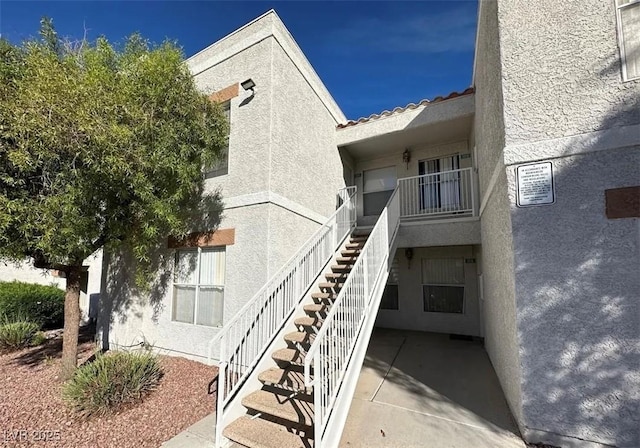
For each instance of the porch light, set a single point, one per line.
(406, 157)
(249, 85)
(408, 252)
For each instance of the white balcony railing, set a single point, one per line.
(334, 359)
(443, 194)
(245, 338)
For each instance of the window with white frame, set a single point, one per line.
(198, 286)
(628, 15)
(378, 185)
(443, 285)
(221, 166)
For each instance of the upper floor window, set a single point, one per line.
(378, 185)
(221, 167)
(628, 14)
(198, 286)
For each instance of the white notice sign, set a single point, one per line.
(535, 184)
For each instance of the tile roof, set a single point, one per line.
(409, 106)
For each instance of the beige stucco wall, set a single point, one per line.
(410, 313)
(496, 261)
(572, 273)
(282, 183)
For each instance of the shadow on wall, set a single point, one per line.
(122, 299)
(578, 294)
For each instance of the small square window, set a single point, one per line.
(443, 299)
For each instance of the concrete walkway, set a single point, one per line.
(426, 390)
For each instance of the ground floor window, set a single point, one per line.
(443, 285)
(198, 288)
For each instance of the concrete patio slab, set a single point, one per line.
(426, 390)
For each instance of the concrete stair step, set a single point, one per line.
(289, 355)
(308, 321)
(294, 410)
(288, 379)
(300, 337)
(353, 246)
(323, 296)
(350, 252)
(316, 308)
(341, 268)
(331, 285)
(359, 239)
(347, 260)
(336, 276)
(259, 433)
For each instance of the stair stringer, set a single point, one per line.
(338, 417)
(235, 409)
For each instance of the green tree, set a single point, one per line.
(100, 147)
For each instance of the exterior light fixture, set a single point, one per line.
(408, 252)
(249, 86)
(406, 157)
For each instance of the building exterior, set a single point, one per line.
(517, 208)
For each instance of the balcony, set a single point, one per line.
(444, 194)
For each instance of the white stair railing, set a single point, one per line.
(438, 194)
(337, 353)
(245, 338)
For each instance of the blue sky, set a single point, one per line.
(371, 56)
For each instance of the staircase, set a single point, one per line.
(281, 413)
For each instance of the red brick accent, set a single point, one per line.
(622, 202)
(220, 237)
(225, 94)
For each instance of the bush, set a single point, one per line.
(39, 338)
(110, 381)
(16, 334)
(41, 304)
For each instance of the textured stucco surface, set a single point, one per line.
(500, 328)
(410, 314)
(282, 182)
(578, 293)
(440, 233)
(496, 262)
(305, 165)
(135, 315)
(489, 123)
(561, 71)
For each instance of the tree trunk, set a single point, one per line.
(71, 322)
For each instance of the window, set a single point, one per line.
(378, 185)
(198, 287)
(443, 285)
(390, 295)
(628, 15)
(221, 167)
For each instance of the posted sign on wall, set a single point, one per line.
(535, 184)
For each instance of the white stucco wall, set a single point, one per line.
(281, 185)
(496, 261)
(575, 273)
(410, 314)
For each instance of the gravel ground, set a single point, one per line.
(32, 413)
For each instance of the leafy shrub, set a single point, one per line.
(110, 381)
(36, 303)
(39, 338)
(16, 334)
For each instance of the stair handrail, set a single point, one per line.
(353, 311)
(244, 339)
